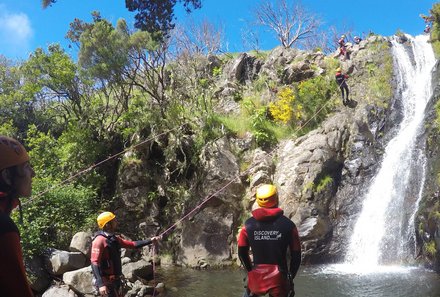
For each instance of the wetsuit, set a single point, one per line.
(270, 235)
(106, 260)
(13, 280)
(340, 80)
(342, 48)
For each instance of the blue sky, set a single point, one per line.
(25, 26)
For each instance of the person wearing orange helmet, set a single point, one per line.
(16, 175)
(106, 255)
(270, 235)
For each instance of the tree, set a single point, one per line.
(289, 20)
(198, 38)
(152, 15)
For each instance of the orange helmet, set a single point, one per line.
(104, 218)
(12, 152)
(267, 196)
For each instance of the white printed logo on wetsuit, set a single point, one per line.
(267, 235)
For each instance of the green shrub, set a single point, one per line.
(313, 101)
(50, 221)
(430, 248)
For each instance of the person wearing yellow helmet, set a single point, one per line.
(16, 175)
(270, 235)
(341, 79)
(106, 255)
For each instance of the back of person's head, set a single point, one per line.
(267, 196)
(104, 218)
(12, 154)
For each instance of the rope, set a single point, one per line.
(209, 197)
(98, 164)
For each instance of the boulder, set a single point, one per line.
(82, 242)
(140, 269)
(59, 261)
(81, 280)
(59, 291)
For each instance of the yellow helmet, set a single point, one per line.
(104, 218)
(339, 69)
(267, 196)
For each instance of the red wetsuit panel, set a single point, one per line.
(13, 280)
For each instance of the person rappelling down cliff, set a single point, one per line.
(341, 81)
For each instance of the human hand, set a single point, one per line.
(103, 291)
(155, 239)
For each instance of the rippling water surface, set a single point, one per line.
(322, 281)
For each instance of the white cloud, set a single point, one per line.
(15, 32)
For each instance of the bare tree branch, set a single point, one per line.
(289, 20)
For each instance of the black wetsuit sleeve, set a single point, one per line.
(243, 255)
(295, 261)
(97, 273)
(142, 243)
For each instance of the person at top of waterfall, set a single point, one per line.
(106, 255)
(343, 47)
(341, 81)
(16, 175)
(427, 29)
(270, 235)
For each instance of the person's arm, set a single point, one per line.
(13, 279)
(95, 259)
(137, 244)
(295, 253)
(243, 249)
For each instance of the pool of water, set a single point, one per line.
(322, 281)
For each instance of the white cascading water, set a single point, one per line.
(384, 232)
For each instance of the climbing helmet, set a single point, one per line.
(267, 196)
(104, 218)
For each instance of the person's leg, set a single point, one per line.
(347, 92)
(342, 94)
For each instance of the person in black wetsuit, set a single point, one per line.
(341, 81)
(270, 235)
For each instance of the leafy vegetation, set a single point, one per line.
(128, 87)
(435, 30)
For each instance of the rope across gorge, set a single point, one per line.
(150, 139)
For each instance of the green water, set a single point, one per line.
(322, 281)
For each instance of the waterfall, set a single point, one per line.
(384, 232)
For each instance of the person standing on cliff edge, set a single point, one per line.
(270, 235)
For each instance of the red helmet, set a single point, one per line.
(12, 152)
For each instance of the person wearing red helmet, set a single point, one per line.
(106, 255)
(16, 175)
(270, 235)
(343, 47)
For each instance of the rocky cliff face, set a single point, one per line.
(320, 175)
(428, 218)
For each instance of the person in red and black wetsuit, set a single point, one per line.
(16, 176)
(343, 47)
(270, 235)
(341, 81)
(106, 255)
